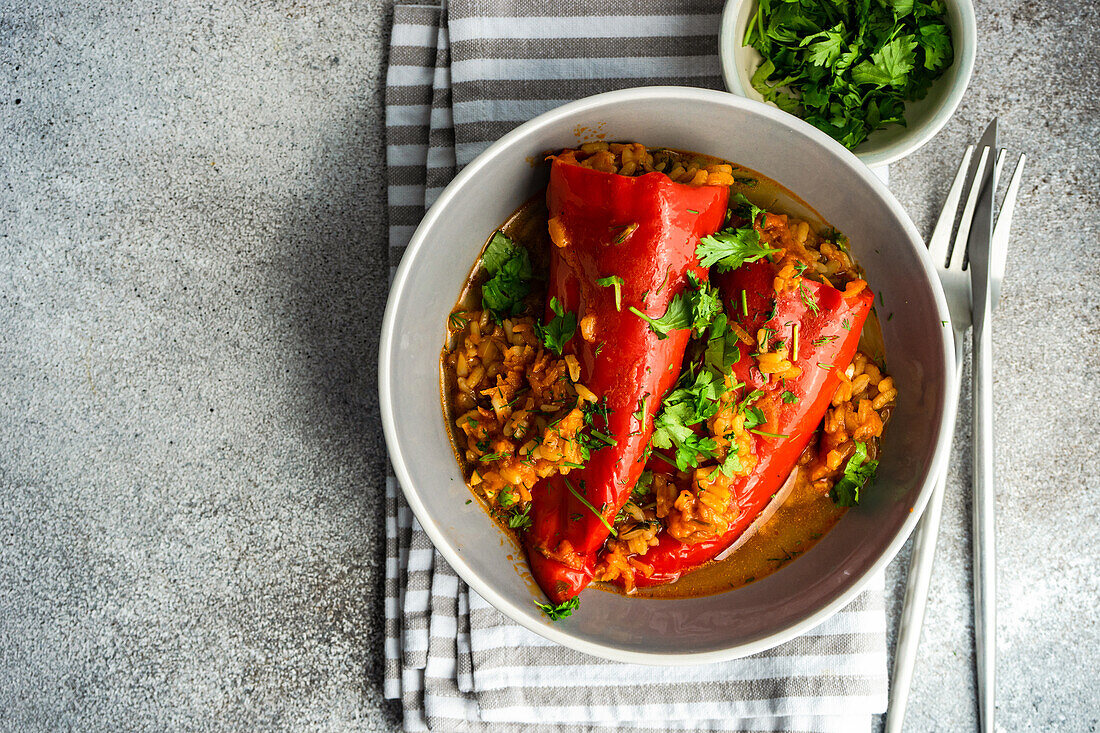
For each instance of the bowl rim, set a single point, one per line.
(419, 242)
(915, 137)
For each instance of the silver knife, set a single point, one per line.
(984, 479)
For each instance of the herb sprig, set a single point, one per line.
(510, 269)
(695, 307)
(560, 329)
(857, 473)
(561, 610)
(733, 247)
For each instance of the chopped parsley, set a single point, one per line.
(616, 282)
(856, 475)
(732, 463)
(848, 68)
(640, 413)
(582, 500)
(560, 611)
(790, 397)
(644, 485)
(753, 416)
(560, 329)
(695, 400)
(510, 273)
(722, 346)
(695, 308)
(520, 520)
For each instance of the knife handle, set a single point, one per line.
(985, 569)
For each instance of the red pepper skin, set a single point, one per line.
(814, 389)
(625, 360)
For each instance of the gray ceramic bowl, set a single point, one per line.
(919, 355)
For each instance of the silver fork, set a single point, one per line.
(951, 265)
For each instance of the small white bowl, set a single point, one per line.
(924, 118)
(919, 353)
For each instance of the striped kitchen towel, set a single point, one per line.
(459, 77)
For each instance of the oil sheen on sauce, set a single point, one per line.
(800, 521)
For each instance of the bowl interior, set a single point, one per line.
(847, 195)
(924, 117)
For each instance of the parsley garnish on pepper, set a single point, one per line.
(695, 308)
(510, 270)
(731, 248)
(856, 475)
(582, 500)
(848, 68)
(560, 611)
(616, 282)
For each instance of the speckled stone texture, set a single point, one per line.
(191, 284)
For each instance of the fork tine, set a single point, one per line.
(998, 166)
(999, 242)
(941, 236)
(958, 252)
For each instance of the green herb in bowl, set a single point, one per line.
(849, 66)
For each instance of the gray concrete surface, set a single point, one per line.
(191, 232)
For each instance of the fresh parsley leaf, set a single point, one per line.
(686, 406)
(889, 66)
(670, 430)
(499, 250)
(732, 462)
(731, 248)
(561, 610)
(694, 308)
(722, 346)
(556, 334)
(644, 485)
(826, 46)
(789, 397)
(857, 473)
(754, 416)
(510, 269)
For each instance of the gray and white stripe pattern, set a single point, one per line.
(460, 76)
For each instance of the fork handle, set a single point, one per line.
(985, 596)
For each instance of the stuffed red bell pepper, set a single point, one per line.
(805, 335)
(624, 249)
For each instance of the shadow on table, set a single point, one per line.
(337, 243)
